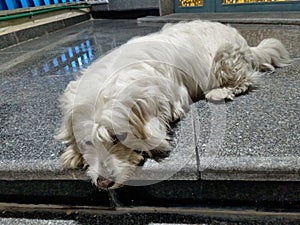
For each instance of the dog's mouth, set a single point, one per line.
(105, 183)
(127, 170)
(110, 183)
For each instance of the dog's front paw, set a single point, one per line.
(160, 152)
(220, 94)
(159, 155)
(72, 159)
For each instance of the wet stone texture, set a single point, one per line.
(14, 221)
(256, 136)
(257, 132)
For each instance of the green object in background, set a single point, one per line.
(41, 11)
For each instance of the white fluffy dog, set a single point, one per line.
(117, 114)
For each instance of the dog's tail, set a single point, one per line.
(270, 53)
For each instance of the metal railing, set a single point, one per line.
(14, 4)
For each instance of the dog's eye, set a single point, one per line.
(121, 137)
(89, 143)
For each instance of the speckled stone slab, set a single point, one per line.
(256, 136)
(288, 18)
(132, 4)
(21, 221)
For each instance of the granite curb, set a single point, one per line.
(17, 37)
(257, 194)
(283, 18)
(46, 169)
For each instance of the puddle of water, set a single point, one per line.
(71, 61)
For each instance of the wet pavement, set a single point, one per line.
(256, 136)
(258, 133)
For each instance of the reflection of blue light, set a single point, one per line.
(77, 49)
(63, 57)
(90, 54)
(79, 61)
(55, 62)
(70, 52)
(67, 68)
(83, 47)
(66, 64)
(74, 66)
(85, 58)
(46, 67)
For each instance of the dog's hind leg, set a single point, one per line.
(219, 94)
(232, 73)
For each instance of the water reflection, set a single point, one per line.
(69, 62)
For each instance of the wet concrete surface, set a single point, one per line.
(34, 74)
(257, 134)
(15, 221)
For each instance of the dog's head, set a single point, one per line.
(118, 141)
(110, 164)
(119, 124)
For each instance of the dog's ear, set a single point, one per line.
(138, 119)
(102, 134)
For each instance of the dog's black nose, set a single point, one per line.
(103, 182)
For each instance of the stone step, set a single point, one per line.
(120, 5)
(285, 18)
(118, 9)
(59, 215)
(34, 24)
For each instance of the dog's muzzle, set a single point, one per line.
(105, 183)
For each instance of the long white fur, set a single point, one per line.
(142, 86)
